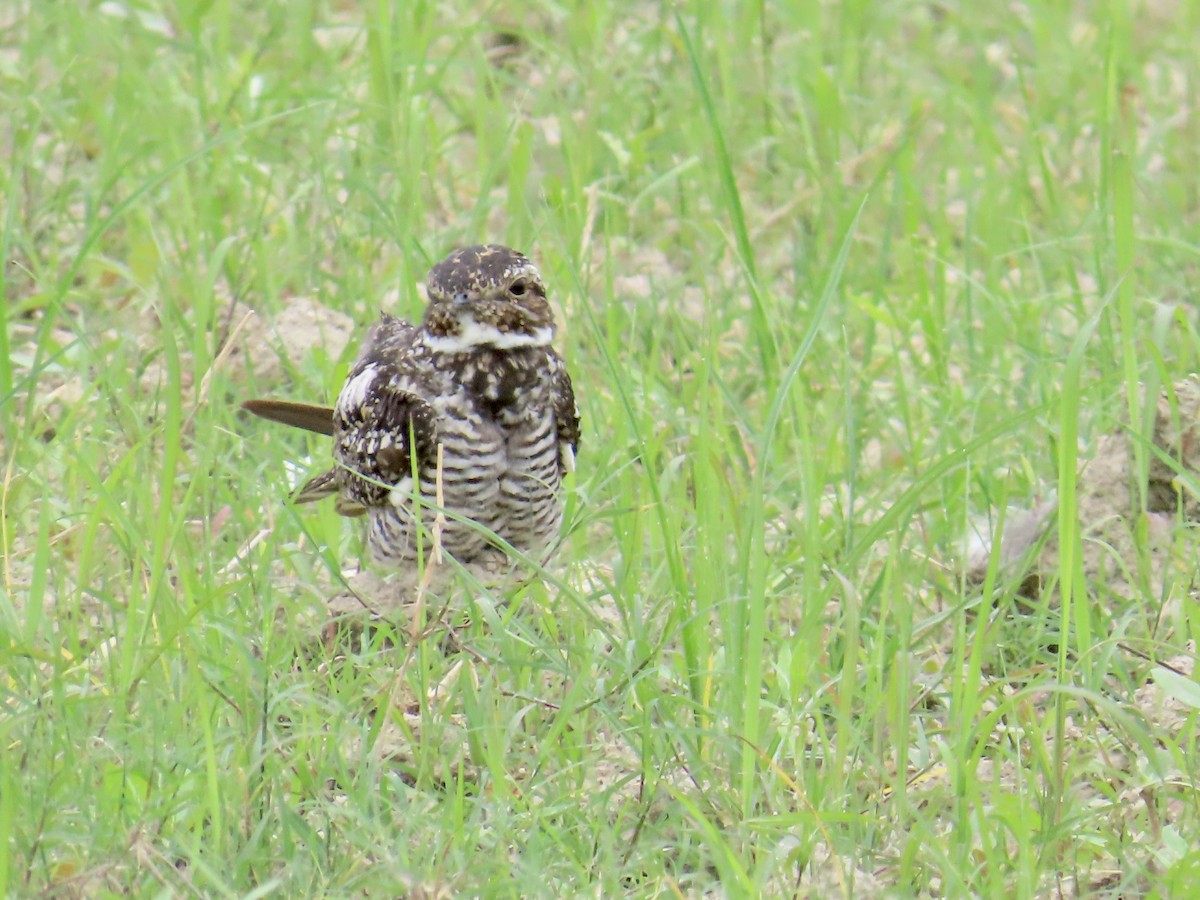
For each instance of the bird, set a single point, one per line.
(467, 419)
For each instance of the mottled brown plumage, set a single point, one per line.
(476, 379)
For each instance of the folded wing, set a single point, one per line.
(380, 426)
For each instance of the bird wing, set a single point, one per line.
(378, 413)
(566, 415)
(381, 421)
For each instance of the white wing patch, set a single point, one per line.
(567, 455)
(472, 334)
(354, 392)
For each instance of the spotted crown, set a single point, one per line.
(489, 287)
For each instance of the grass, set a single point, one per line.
(833, 280)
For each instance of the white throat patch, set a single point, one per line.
(472, 335)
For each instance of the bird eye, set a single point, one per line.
(517, 288)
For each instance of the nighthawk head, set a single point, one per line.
(486, 296)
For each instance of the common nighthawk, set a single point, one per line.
(477, 379)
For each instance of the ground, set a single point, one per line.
(846, 290)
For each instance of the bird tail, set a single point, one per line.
(298, 415)
(321, 486)
(310, 418)
(317, 488)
